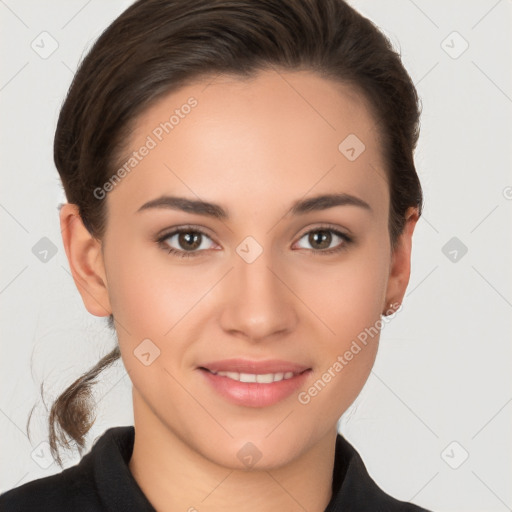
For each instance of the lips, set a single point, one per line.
(250, 383)
(246, 366)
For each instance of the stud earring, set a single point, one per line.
(393, 307)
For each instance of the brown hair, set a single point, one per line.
(158, 46)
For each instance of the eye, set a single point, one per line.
(190, 241)
(322, 237)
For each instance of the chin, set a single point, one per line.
(252, 453)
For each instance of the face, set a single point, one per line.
(261, 282)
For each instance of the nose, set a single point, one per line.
(259, 303)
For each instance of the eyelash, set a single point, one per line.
(191, 229)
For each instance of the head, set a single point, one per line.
(257, 107)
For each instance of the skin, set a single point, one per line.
(254, 147)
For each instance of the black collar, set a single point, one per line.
(102, 481)
(353, 488)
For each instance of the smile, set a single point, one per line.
(265, 378)
(254, 389)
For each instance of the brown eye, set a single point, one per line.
(188, 240)
(321, 239)
(184, 242)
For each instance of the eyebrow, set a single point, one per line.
(299, 207)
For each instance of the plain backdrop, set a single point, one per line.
(433, 422)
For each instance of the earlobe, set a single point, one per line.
(400, 266)
(85, 261)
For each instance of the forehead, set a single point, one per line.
(276, 135)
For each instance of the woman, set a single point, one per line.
(241, 202)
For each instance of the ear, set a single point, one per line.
(85, 261)
(400, 266)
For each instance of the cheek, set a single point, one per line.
(348, 297)
(153, 301)
(150, 291)
(350, 302)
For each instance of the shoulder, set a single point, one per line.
(74, 488)
(69, 490)
(355, 490)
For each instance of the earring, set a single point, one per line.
(392, 309)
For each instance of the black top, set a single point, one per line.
(102, 481)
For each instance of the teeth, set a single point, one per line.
(266, 378)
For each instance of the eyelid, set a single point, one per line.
(327, 227)
(182, 227)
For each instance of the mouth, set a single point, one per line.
(260, 378)
(254, 383)
(248, 366)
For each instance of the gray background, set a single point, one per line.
(441, 387)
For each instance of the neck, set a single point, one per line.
(174, 476)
